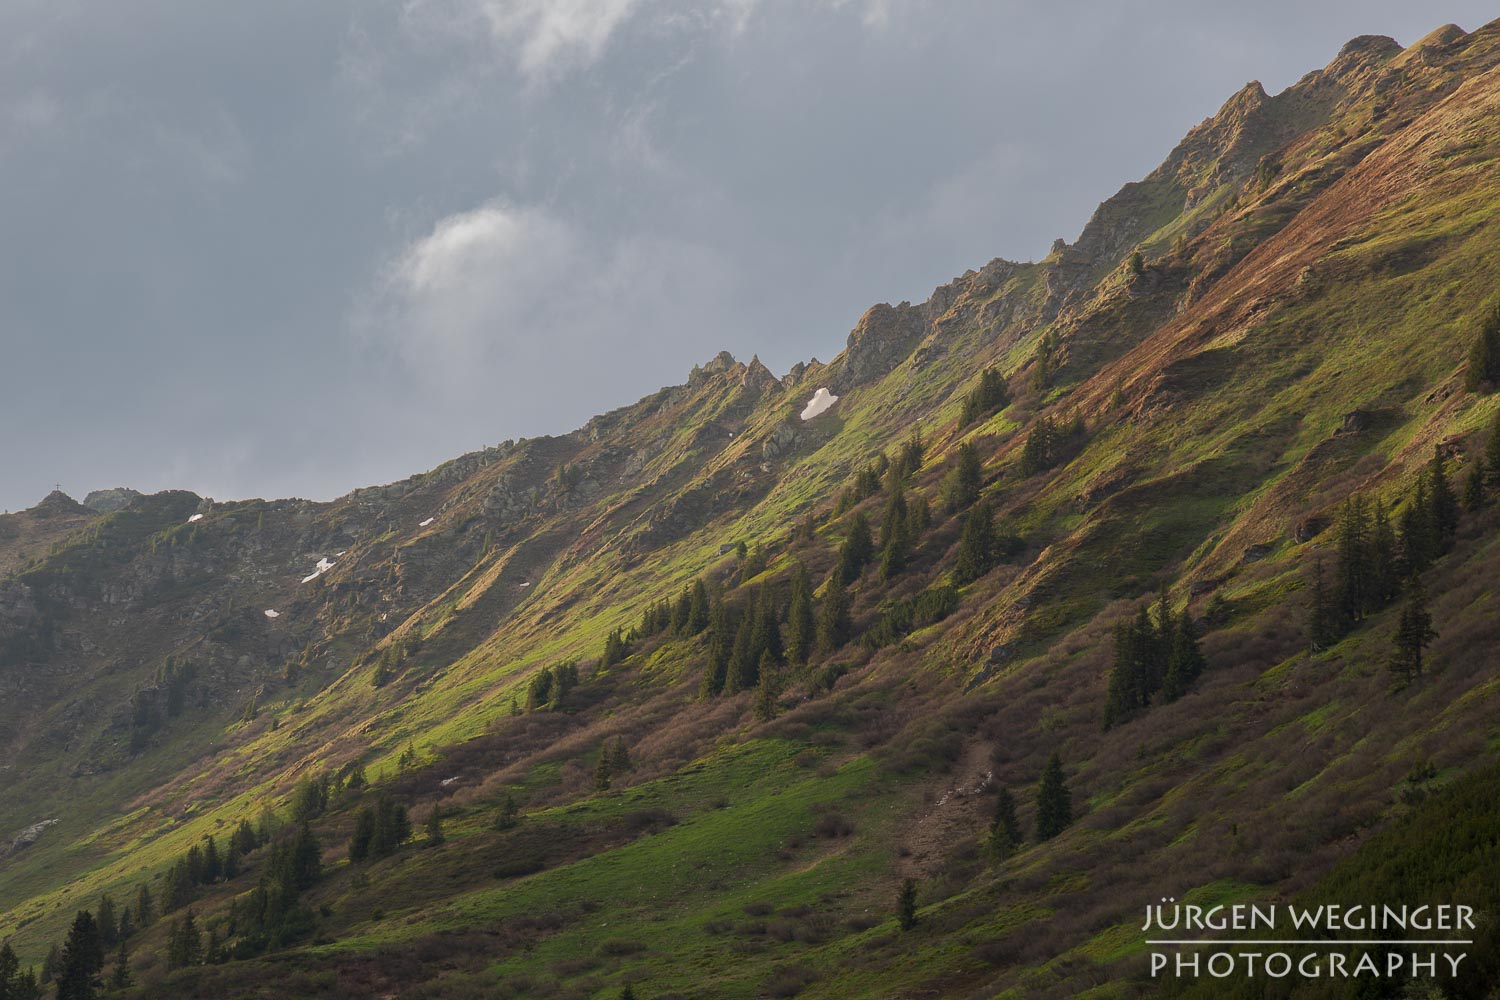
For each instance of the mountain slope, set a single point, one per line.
(1312, 269)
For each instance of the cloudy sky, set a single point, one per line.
(288, 248)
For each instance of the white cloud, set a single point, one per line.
(508, 297)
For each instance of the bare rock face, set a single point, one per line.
(758, 377)
(782, 440)
(884, 336)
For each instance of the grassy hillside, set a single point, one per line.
(1274, 321)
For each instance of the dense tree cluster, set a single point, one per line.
(1373, 557)
(1155, 660)
(1483, 370)
(991, 395)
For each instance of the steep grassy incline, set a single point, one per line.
(1273, 321)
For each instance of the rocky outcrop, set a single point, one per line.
(884, 336)
(109, 501)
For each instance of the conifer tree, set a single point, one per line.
(1322, 628)
(1474, 488)
(698, 609)
(989, 396)
(720, 648)
(1444, 503)
(109, 926)
(801, 627)
(1054, 806)
(435, 835)
(976, 545)
(1492, 454)
(906, 905)
(121, 979)
(1185, 662)
(833, 618)
(510, 813)
(184, 943)
(1005, 829)
(10, 969)
(743, 659)
(1420, 543)
(1483, 369)
(960, 486)
(619, 757)
(765, 691)
(82, 962)
(857, 549)
(145, 907)
(1352, 594)
(1413, 634)
(602, 775)
(1037, 452)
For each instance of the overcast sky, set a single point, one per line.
(289, 248)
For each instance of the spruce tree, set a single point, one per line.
(960, 486)
(1413, 634)
(1483, 369)
(989, 396)
(1054, 806)
(1474, 488)
(1037, 454)
(121, 978)
(145, 908)
(1352, 583)
(1122, 698)
(364, 834)
(1419, 537)
(1005, 829)
(78, 977)
(857, 549)
(906, 905)
(895, 544)
(1492, 454)
(510, 813)
(435, 835)
(833, 618)
(10, 971)
(765, 691)
(602, 776)
(801, 627)
(743, 658)
(698, 609)
(1444, 503)
(976, 545)
(720, 645)
(1322, 627)
(1185, 663)
(109, 926)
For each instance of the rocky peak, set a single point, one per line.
(884, 336)
(58, 502)
(758, 376)
(109, 501)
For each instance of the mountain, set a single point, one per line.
(1184, 401)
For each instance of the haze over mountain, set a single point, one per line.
(213, 216)
(1184, 536)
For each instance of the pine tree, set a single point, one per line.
(1413, 634)
(1483, 369)
(906, 905)
(213, 864)
(364, 834)
(1005, 829)
(184, 943)
(1186, 660)
(857, 549)
(765, 691)
(895, 545)
(1322, 628)
(78, 977)
(435, 836)
(306, 863)
(10, 970)
(833, 618)
(145, 911)
(1123, 696)
(976, 545)
(720, 651)
(602, 774)
(960, 486)
(619, 757)
(989, 396)
(1444, 503)
(698, 609)
(1419, 535)
(1037, 452)
(1492, 454)
(1382, 562)
(52, 964)
(510, 813)
(121, 978)
(1474, 488)
(1352, 583)
(1054, 806)
(109, 926)
(743, 659)
(801, 627)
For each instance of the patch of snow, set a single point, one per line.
(447, 781)
(272, 613)
(423, 524)
(195, 517)
(324, 565)
(526, 584)
(820, 402)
